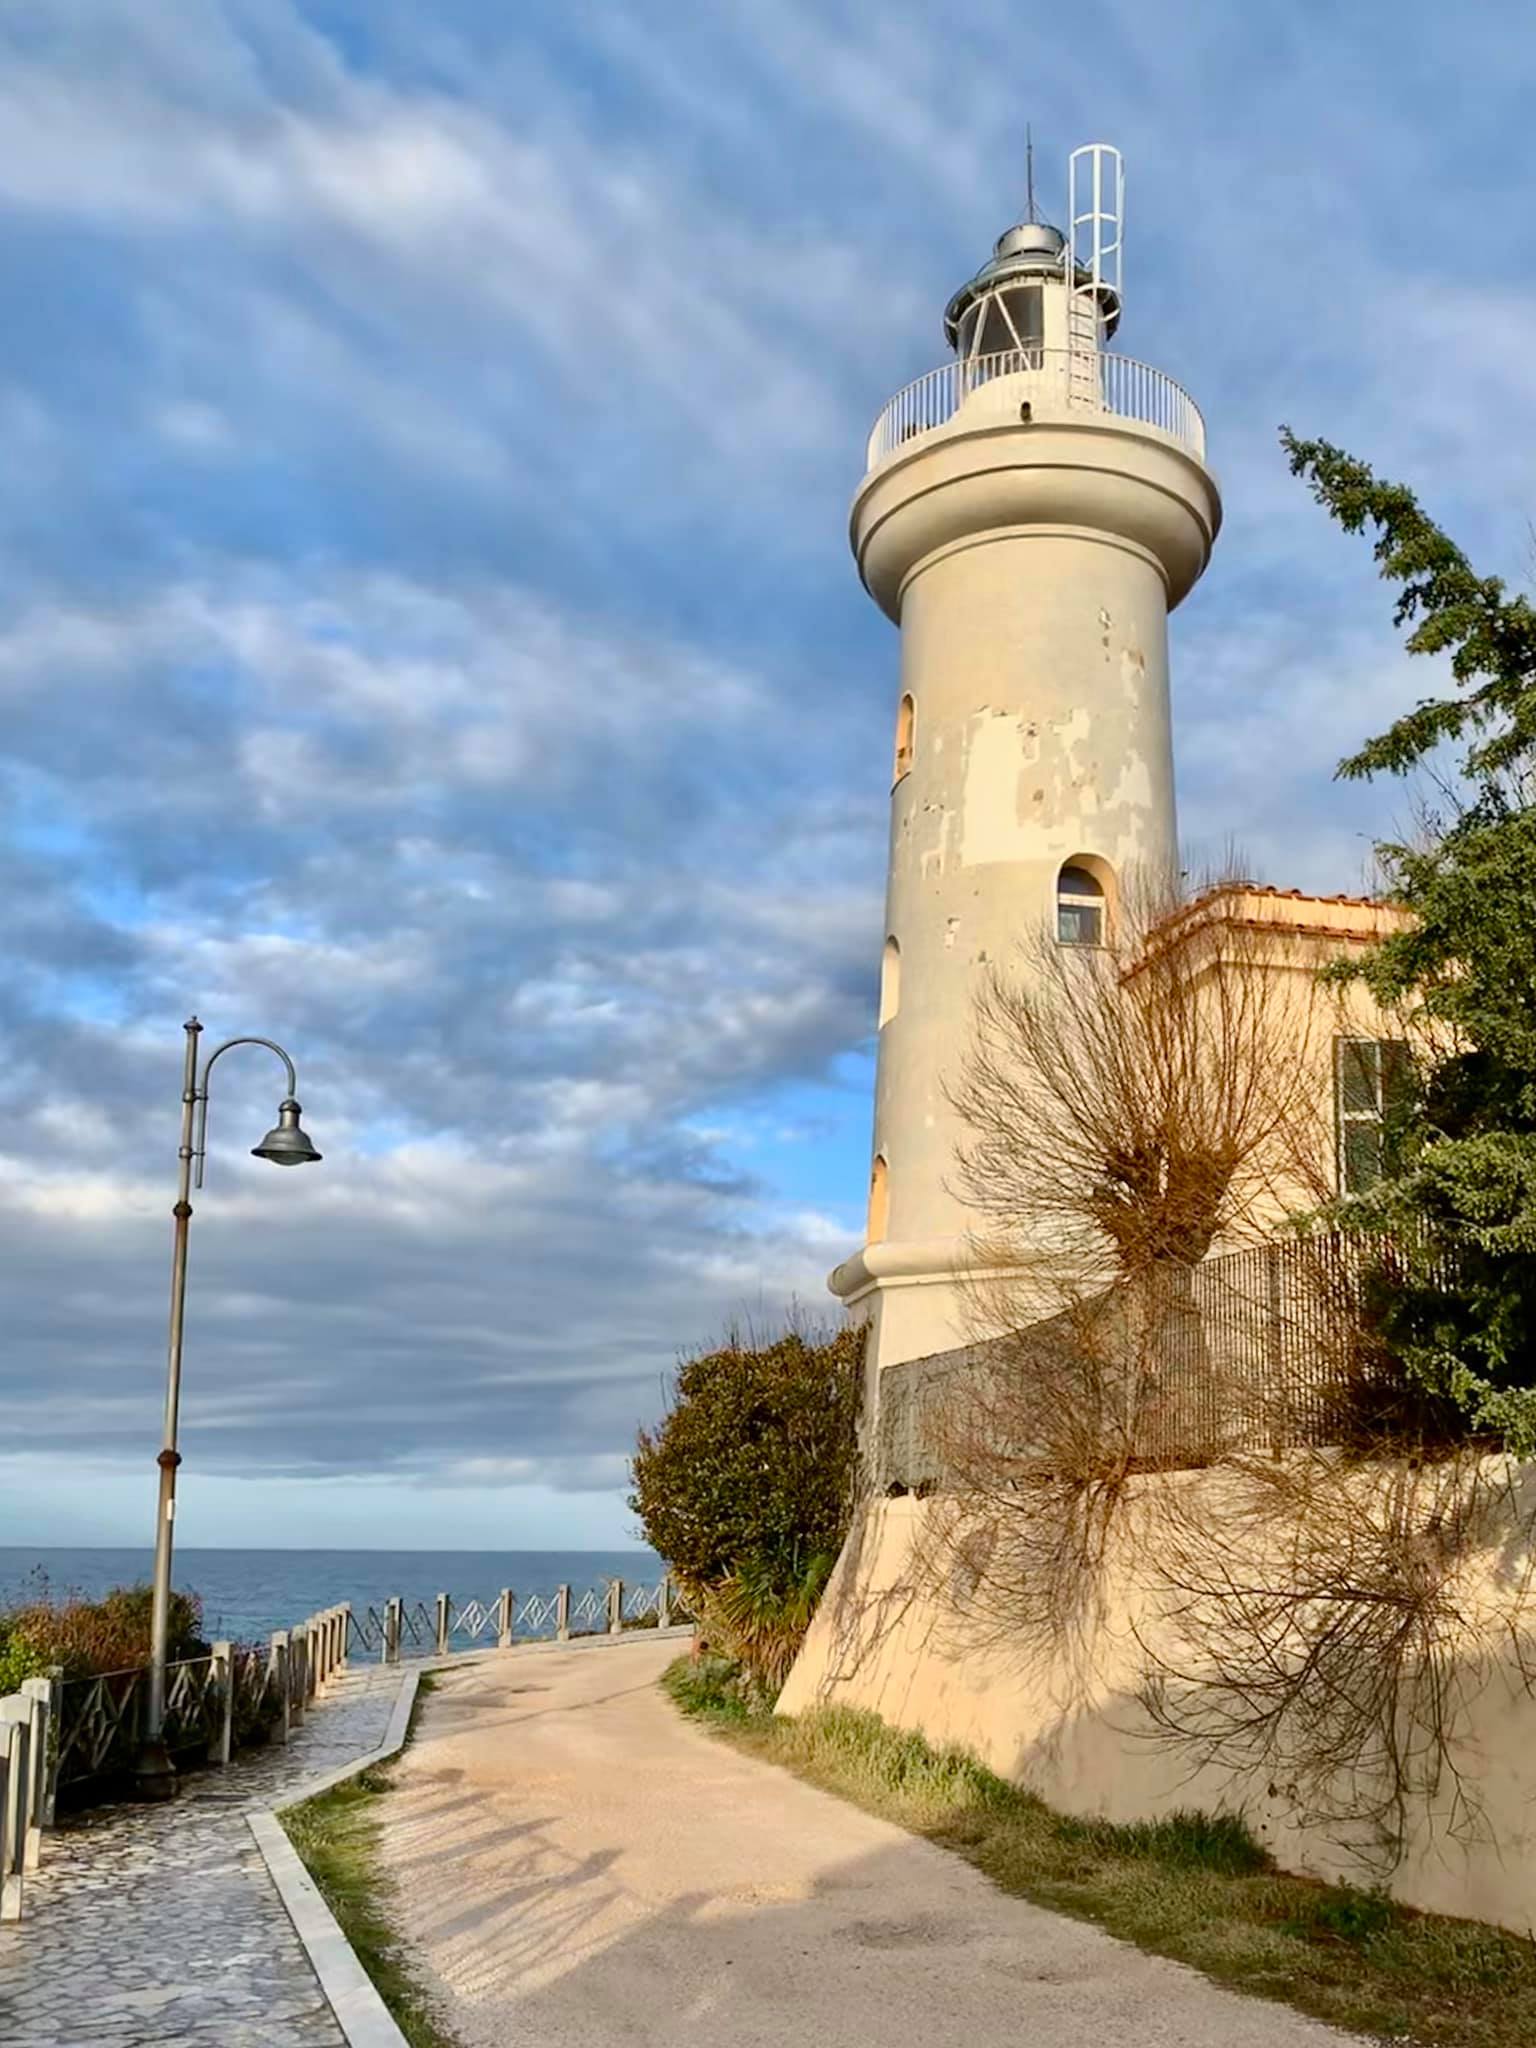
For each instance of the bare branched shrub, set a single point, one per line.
(1128, 1106)
(1330, 1621)
(1131, 1104)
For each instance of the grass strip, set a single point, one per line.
(1192, 1886)
(337, 1839)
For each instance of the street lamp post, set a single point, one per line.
(285, 1145)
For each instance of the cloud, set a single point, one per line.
(468, 857)
(427, 636)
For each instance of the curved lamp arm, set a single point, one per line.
(200, 1142)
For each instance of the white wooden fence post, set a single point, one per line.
(615, 1606)
(392, 1630)
(16, 1733)
(298, 1657)
(279, 1671)
(10, 1891)
(36, 1697)
(224, 1673)
(46, 1733)
(344, 1634)
(16, 1708)
(444, 1623)
(664, 1602)
(56, 1747)
(563, 1615)
(504, 1610)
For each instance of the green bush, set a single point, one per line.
(86, 1637)
(713, 1689)
(746, 1486)
(1345, 1913)
(18, 1660)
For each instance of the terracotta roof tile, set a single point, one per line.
(1292, 895)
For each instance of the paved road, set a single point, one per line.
(582, 1869)
(158, 1926)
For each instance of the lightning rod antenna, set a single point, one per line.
(1029, 171)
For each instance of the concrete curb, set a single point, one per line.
(361, 2014)
(363, 2017)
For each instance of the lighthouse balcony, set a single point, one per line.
(1023, 385)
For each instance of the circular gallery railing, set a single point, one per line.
(1061, 383)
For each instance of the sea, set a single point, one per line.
(246, 1594)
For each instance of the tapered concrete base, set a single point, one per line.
(154, 1775)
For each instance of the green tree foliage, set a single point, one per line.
(746, 1485)
(1460, 1199)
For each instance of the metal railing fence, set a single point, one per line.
(213, 1704)
(401, 1628)
(80, 1737)
(1265, 1347)
(1058, 383)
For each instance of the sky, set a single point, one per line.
(428, 639)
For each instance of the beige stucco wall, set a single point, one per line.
(1287, 939)
(1083, 1742)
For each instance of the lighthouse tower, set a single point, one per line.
(1031, 513)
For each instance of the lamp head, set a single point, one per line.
(286, 1144)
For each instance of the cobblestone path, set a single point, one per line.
(158, 1927)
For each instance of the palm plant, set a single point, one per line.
(760, 1613)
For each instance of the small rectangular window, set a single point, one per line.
(1079, 924)
(1371, 1082)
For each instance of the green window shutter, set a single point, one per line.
(1373, 1087)
(1360, 1156)
(1357, 1063)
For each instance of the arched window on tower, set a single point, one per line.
(1079, 907)
(890, 982)
(879, 1198)
(906, 716)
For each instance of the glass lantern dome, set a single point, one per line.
(1002, 308)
